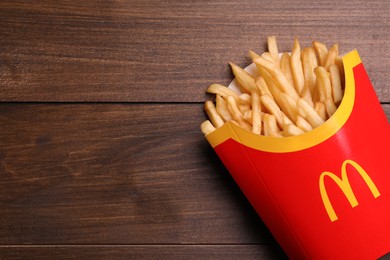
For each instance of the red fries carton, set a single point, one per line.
(324, 194)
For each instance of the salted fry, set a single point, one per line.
(321, 51)
(212, 113)
(256, 113)
(273, 48)
(332, 55)
(244, 79)
(309, 113)
(336, 83)
(207, 127)
(285, 67)
(221, 107)
(296, 67)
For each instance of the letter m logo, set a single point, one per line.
(345, 187)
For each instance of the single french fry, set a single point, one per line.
(296, 67)
(236, 113)
(278, 76)
(222, 91)
(212, 113)
(262, 86)
(247, 116)
(309, 62)
(303, 124)
(335, 79)
(276, 134)
(291, 129)
(244, 79)
(273, 48)
(270, 125)
(285, 67)
(340, 65)
(319, 107)
(253, 55)
(270, 104)
(207, 127)
(245, 99)
(330, 106)
(221, 107)
(256, 113)
(323, 83)
(333, 53)
(321, 51)
(288, 106)
(267, 56)
(309, 113)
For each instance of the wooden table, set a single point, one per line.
(101, 155)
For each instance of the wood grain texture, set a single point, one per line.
(144, 252)
(103, 174)
(169, 50)
(117, 174)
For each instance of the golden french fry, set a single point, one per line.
(244, 79)
(288, 106)
(207, 127)
(285, 67)
(278, 76)
(309, 62)
(309, 113)
(291, 129)
(296, 67)
(270, 125)
(323, 83)
(253, 55)
(333, 53)
(335, 79)
(269, 58)
(236, 113)
(213, 115)
(321, 51)
(247, 116)
(276, 134)
(221, 107)
(303, 124)
(222, 91)
(270, 104)
(273, 48)
(245, 99)
(340, 65)
(319, 107)
(244, 108)
(330, 106)
(262, 86)
(256, 113)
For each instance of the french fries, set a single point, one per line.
(294, 94)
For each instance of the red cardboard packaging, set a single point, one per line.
(324, 194)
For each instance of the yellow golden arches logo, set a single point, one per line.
(345, 187)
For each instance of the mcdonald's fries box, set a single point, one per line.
(324, 194)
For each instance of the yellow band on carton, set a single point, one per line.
(299, 142)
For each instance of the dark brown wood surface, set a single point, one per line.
(101, 155)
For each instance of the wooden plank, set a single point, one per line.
(117, 174)
(144, 252)
(168, 51)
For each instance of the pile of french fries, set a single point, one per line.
(293, 94)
